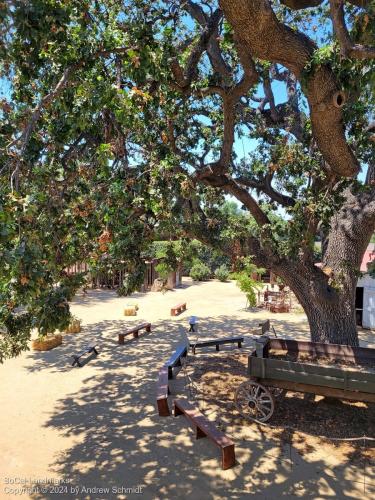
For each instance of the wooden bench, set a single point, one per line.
(178, 309)
(217, 343)
(163, 392)
(175, 359)
(166, 373)
(205, 428)
(134, 331)
(86, 350)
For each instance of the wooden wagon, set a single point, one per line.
(269, 377)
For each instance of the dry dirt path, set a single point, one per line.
(97, 428)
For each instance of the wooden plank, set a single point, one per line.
(327, 350)
(228, 340)
(317, 375)
(296, 372)
(134, 331)
(206, 428)
(318, 390)
(339, 377)
(178, 309)
(217, 342)
(162, 392)
(175, 359)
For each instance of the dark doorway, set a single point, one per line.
(359, 304)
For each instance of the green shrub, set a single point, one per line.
(163, 269)
(249, 286)
(222, 273)
(200, 272)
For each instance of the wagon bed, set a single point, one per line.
(256, 398)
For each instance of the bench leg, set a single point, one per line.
(170, 372)
(199, 433)
(177, 411)
(148, 328)
(121, 339)
(76, 362)
(228, 458)
(193, 350)
(217, 347)
(163, 408)
(95, 351)
(239, 345)
(136, 334)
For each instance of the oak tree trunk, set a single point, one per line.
(329, 310)
(333, 322)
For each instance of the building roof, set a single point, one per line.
(368, 257)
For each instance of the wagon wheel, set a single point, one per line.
(254, 401)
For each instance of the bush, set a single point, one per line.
(163, 269)
(222, 273)
(200, 272)
(249, 286)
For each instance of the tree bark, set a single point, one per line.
(329, 305)
(333, 323)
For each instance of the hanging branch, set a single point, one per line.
(347, 48)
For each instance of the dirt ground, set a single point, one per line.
(94, 433)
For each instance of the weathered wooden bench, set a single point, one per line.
(162, 392)
(134, 331)
(87, 350)
(217, 343)
(166, 373)
(205, 428)
(175, 359)
(178, 309)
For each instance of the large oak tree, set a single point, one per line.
(120, 118)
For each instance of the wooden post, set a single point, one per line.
(260, 346)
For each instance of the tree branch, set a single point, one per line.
(260, 32)
(264, 185)
(49, 98)
(305, 4)
(347, 48)
(184, 77)
(213, 49)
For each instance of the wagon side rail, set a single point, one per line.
(331, 351)
(312, 378)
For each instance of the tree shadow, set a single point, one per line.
(117, 440)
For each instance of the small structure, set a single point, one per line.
(115, 279)
(365, 293)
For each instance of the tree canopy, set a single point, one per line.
(122, 118)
